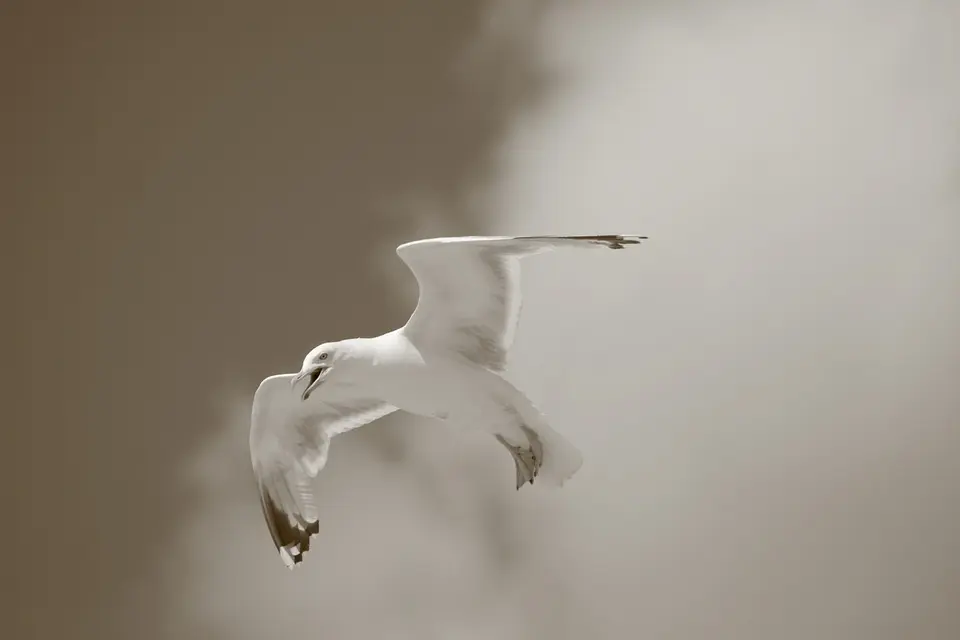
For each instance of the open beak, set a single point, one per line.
(313, 373)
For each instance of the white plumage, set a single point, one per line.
(445, 362)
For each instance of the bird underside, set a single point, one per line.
(527, 459)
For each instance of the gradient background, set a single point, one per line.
(766, 394)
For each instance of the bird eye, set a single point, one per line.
(323, 356)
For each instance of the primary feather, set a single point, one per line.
(289, 441)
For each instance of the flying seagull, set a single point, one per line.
(445, 363)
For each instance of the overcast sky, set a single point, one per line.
(765, 393)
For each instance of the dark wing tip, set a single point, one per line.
(612, 241)
(291, 533)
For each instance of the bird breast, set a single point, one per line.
(435, 388)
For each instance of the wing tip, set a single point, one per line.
(291, 534)
(612, 241)
(291, 553)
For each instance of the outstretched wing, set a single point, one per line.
(470, 289)
(289, 440)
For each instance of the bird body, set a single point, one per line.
(451, 388)
(445, 363)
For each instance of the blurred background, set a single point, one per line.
(766, 394)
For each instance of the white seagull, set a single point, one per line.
(445, 363)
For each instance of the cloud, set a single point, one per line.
(763, 392)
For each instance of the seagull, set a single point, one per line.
(447, 362)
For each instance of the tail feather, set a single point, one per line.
(561, 458)
(522, 425)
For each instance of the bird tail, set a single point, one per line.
(560, 458)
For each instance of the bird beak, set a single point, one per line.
(313, 372)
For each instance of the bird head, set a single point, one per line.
(317, 365)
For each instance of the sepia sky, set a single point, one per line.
(765, 392)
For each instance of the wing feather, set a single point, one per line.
(289, 442)
(470, 299)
